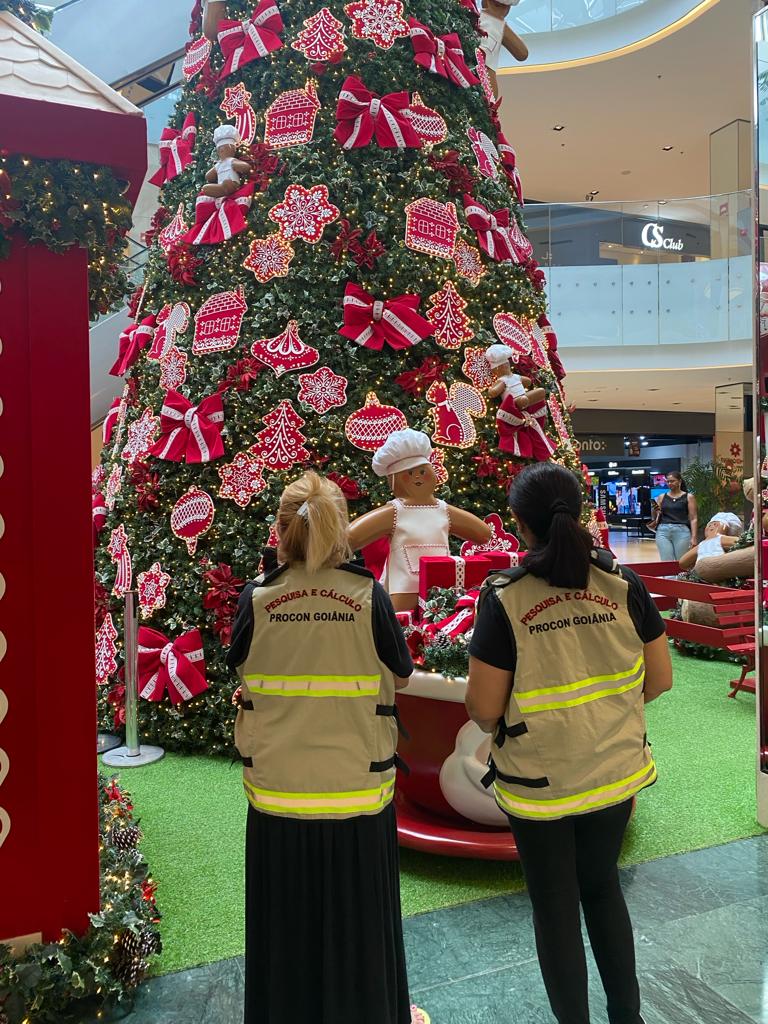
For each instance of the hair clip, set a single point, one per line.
(303, 511)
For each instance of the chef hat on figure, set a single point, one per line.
(403, 449)
(226, 135)
(497, 355)
(731, 521)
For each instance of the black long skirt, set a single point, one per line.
(323, 929)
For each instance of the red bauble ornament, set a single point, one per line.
(242, 478)
(197, 56)
(452, 326)
(281, 444)
(427, 123)
(304, 213)
(432, 227)
(269, 257)
(286, 352)
(513, 332)
(218, 322)
(323, 390)
(322, 38)
(368, 428)
(381, 21)
(152, 587)
(192, 517)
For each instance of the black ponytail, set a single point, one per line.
(547, 498)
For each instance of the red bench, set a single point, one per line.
(734, 611)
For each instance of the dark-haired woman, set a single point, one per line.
(566, 650)
(677, 523)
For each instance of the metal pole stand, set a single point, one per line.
(133, 754)
(106, 741)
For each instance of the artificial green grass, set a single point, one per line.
(192, 813)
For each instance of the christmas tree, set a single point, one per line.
(344, 281)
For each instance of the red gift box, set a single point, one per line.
(503, 559)
(406, 619)
(450, 572)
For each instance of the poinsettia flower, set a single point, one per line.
(350, 488)
(346, 237)
(182, 264)
(242, 374)
(417, 381)
(367, 253)
(460, 178)
(223, 587)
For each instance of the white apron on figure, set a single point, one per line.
(420, 531)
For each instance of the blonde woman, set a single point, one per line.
(320, 655)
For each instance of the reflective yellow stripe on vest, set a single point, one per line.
(590, 800)
(362, 801)
(570, 695)
(313, 686)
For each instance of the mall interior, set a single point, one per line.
(202, 202)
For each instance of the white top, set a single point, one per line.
(420, 531)
(709, 548)
(513, 385)
(226, 172)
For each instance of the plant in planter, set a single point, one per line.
(714, 487)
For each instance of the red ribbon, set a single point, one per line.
(441, 55)
(493, 230)
(218, 220)
(177, 666)
(134, 338)
(362, 114)
(373, 323)
(256, 37)
(509, 164)
(176, 145)
(190, 433)
(521, 432)
(110, 421)
(461, 620)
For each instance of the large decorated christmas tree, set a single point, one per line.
(332, 271)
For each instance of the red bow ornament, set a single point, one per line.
(509, 164)
(218, 220)
(176, 145)
(442, 55)
(462, 618)
(177, 666)
(133, 339)
(373, 323)
(244, 41)
(190, 433)
(521, 432)
(493, 230)
(363, 115)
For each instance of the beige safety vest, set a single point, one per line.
(318, 730)
(573, 736)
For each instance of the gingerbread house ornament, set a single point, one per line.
(431, 227)
(291, 118)
(218, 322)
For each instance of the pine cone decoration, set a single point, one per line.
(126, 838)
(129, 964)
(441, 641)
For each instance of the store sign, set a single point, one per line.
(652, 237)
(595, 444)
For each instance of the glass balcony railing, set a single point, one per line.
(656, 273)
(531, 16)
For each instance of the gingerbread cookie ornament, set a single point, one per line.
(416, 523)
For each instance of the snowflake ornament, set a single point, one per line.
(106, 651)
(152, 587)
(114, 486)
(173, 369)
(142, 434)
(323, 390)
(242, 478)
(304, 213)
(468, 262)
(285, 352)
(477, 368)
(281, 444)
(452, 326)
(381, 21)
(269, 257)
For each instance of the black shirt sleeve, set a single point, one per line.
(242, 630)
(388, 636)
(492, 639)
(644, 613)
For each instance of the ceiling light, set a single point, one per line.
(642, 437)
(662, 202)
(613, 472)
(595, 192)
(666, 149)
(626, 444)
(558, 127)
(638, 472)
(612, 465)
(644, 444)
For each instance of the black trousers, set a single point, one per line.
(570, 862)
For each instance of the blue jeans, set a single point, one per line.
(672, 540)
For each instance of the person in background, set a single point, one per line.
(720, 534)
(677, 522)
(566, 650)
(320, 654)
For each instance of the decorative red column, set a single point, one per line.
(49, 857)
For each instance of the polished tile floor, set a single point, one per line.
(701, 928)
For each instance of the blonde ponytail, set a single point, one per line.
(312, 523)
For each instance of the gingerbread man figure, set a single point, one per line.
(226, 176)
